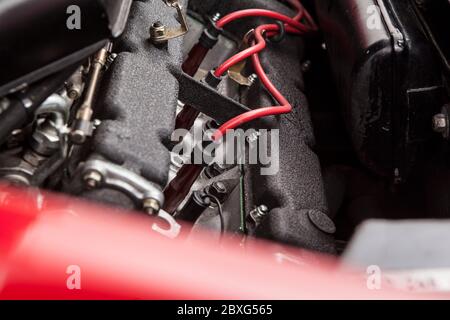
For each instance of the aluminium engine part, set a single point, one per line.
(102, 174)
(98, 174)
(22, 105)
(57, 105)
(49, 135)
(47, 147)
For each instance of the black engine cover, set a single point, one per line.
(388, 76)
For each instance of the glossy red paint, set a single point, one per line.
(121, 258)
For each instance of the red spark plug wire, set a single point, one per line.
(302, 13)
(292, 26)
(262, 13)
(258, 47)
(285, 106)
(180, 186)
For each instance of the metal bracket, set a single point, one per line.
(174, 228)
(235, 72)
(98, 174)
(160, 34)
(210, 102)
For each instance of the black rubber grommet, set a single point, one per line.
(212, 80)
(279, 37)
(210, 35)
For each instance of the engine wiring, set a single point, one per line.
(285, 106)
(220, 211)
(301, 24)
(258, 44)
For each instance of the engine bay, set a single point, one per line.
(295, 122)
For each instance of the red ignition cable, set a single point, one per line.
(300, 9)
(292, 26)
(285, 106)
(262, 13)
(188, 173)
(258, 47)
(302, 13)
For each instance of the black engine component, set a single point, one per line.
(389, 79)
(295, 195)
(100, 126)
(138, 102)
(29, 53)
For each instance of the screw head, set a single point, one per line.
(73, 93)
(440, 123)
(216, 17)
(263, 209)
(93, 179)
(77, 137)
(158, 33)
(219, 187)
(152, 206)
(259, 213)
(306, 66)
(252, 79)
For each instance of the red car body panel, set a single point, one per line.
(120, 257)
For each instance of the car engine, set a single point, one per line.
(284, 120)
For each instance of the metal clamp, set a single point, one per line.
(98, 174)
(174, 228)
(160, 34)
(201, 96)
(235, 72)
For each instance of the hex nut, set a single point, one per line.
(93, 179)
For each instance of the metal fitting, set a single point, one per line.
(93, 179)
(160, 34)
(259, 213)
(83, 127)
(75, 85)
(210, 35)
(440, 123)
(218, 190)
(109, 175)
(45, 140)
(151, 206)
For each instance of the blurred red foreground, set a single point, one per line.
(120, 257)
